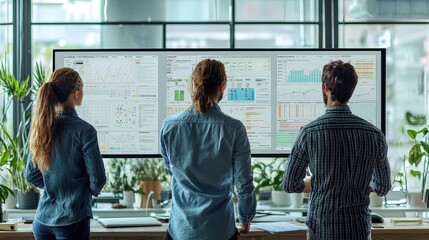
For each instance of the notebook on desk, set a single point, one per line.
(129, 222)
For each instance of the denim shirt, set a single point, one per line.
(206, 153)
(76, 173)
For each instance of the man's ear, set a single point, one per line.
(325, 87)
(77, 94)
(222, 86)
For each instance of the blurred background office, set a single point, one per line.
(29, 30)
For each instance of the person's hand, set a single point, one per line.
(244, 228)
(307, 182)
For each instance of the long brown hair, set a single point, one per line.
(52, 95)
(208, 75)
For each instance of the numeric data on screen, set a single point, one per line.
(274, 93)
(299, 92)
(247, 95)
(120, 100)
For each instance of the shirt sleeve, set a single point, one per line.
(93, 161)
(163, 147)
(243, 177)
(380, 181)
(33, 174)
(293, 179)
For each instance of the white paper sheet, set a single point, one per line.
(275, 227)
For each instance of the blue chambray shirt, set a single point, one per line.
(205, 153)
(75, 175)
(346, 155)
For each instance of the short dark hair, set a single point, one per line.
(341, 79)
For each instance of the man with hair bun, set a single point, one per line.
(206, 152)
(347, 157)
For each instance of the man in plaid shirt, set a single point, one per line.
(347, 157)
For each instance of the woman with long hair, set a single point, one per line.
(64, 160)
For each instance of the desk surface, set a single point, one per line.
(98, 232)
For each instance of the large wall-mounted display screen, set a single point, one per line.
(128, 93)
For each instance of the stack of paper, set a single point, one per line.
(275, 227)
(406, 221)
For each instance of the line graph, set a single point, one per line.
(111, 71)
(301, 93)
(114, 74)
(304, 92)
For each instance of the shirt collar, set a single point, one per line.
(216, 106)
(68, 111)
(338, 108)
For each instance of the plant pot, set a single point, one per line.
(27, 199)
(10, 202)
(128, 199)
(2, 214)
(281, 198)
(265, 194)
(297, 199)
(415, 200)
(148, 187)
(138, 199)
(374, 200)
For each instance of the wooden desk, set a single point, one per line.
(98, 232)
(401, 231)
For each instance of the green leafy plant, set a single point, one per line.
(15, 147)
(269, 174)
(4, 162)
(125, 174)
(149, 169)
(418, 154)
(415, 163)
(120, 177)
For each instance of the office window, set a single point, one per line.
(130, 10)
(5, 60)
(6, 48)
(197, 10)
(47, 37)
(276, 10)
(6, 39)
(66, 11)
(198, 36)
(6, 11)
(383, 10)
(276, 36)
(396, 26)
(130, 36)
(6, 34)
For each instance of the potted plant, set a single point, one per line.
(5, 191)
(22, 94)
(121, 181)
(418, 155)
(271, 175)
(149, 173)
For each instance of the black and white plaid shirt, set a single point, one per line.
(346, 156)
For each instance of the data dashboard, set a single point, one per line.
(128, 93)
